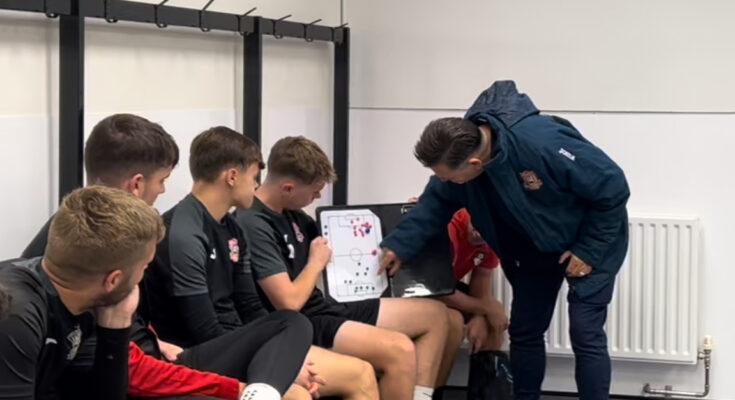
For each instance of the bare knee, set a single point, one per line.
(441, 321)
(444, 314)
(399, 352)
(365, 381)
(434, 314)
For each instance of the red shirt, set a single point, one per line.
(466, 255)
(151, 377)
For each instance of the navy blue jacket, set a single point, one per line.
(576, 199)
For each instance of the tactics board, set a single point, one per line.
(352, 272)
(428, 275)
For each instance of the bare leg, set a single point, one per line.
(390, 352)
(454, 341)
(347, 377)
(427, 323)
(495, 338)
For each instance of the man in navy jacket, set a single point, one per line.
(549, 202)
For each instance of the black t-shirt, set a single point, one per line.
(280, 243)
(139, 333)
(199, 285)
(41, 339)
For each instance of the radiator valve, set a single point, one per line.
(668, 392)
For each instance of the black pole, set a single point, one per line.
(253, 83)
(341, 129)
(71, 100)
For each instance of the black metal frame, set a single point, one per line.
(71, 102)
(341, 128)
(73, 13)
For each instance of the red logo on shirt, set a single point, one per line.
(234, 250)
(531, 181)
(297, 232)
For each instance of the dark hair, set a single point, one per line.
(300, 158)
(218, 149)
(448, 141)
(122, 145)
(5, 300)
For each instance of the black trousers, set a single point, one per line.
(269, 350)
(536, 279)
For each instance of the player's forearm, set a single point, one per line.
(466, 304)
(303, 286)
(481, 285)
(109, 377)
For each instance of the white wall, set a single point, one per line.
(573, 54)
(414, 61)
(186, 80)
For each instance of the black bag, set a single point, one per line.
(490, 377)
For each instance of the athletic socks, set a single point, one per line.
(260, 391)
(422, 393)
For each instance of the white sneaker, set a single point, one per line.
(260, 391)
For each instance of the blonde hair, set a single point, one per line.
(98, 230)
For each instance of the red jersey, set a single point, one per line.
(151, 377)
(466, 255)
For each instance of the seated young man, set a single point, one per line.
(99, 245)
(288, 257)
(127, 152)
(131, 153)
(485, 316)
(200, 285)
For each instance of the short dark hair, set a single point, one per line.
(5, 301)
(302, 159)
(449, 141)
(218, 149)
(122, 145)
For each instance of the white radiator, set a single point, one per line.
(653, 315)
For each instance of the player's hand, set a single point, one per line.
(496, 315)
(320, 252)
(120, 315)
(576, 267)
(389, 261)
(477, 332)
(169, 351)
(310, 379)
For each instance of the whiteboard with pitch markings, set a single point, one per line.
(352, 272)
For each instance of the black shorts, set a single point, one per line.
(327, 322)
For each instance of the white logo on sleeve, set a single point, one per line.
(291, 249)
(73, 339)
(567, 154)
(478, 259)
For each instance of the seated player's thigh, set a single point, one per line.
(380, 347)
(412, 317)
